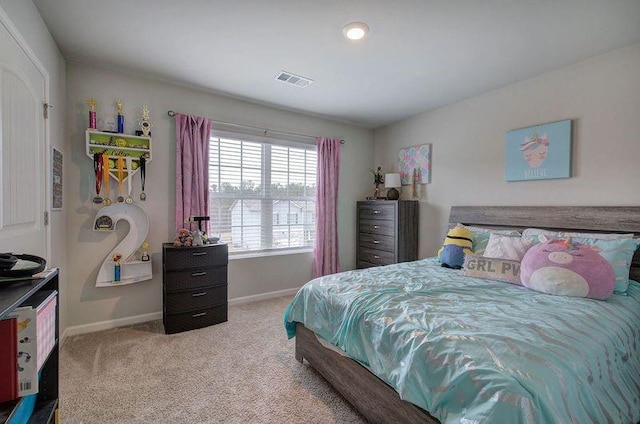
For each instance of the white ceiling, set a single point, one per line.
(419, 55)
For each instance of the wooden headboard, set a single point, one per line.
(594, 219)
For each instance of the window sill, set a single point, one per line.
(250, 255)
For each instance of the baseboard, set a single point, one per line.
(121, 322)
(263, 296)
(106, 325)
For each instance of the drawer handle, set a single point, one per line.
(376, 242)
(376, 212)
(375, 226)
(201, 314)
(199, 294)
(199, 253)
(198, 274)
(376, 256)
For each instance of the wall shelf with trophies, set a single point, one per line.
(115, 145)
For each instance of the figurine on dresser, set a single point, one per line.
(183, 238)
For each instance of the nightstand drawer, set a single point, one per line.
(195, 257)
(376, 257)
(195, 299)
(195, 278)
(376, 226)
(195, 319)
(377, 211)
(377, 242)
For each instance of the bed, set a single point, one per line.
(480, 350)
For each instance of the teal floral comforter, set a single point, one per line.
(480, 351)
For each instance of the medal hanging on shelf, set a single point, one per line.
(106, 177)
(143, 172)
(97, 169)
(129, 199)
(120, 174)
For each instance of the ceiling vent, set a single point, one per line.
(297, 80)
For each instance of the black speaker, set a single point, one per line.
(9, 260)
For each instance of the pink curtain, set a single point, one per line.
(325, 250)
(192, 168)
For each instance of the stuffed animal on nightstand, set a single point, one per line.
(457, 243)
(183, 238)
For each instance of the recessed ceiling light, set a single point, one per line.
(355, 30)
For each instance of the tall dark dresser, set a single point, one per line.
(194, 286)
(387, 232)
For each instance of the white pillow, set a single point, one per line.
(505, 247)
(492, 231)
(481, 237)
(535, 232)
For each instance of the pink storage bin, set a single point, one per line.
(46, 329)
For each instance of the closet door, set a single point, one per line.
(23, 168)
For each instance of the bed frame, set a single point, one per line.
(377, 401)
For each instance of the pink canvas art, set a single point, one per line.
(415, 159)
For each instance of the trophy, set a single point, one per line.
(145, 123)
(92, 103)
(120, 117)
(145, 252)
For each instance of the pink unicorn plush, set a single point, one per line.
(564, 267)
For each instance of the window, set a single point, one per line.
(262, 193)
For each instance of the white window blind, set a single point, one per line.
(262, 193)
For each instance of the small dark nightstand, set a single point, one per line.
(194, 286)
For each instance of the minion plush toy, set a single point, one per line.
(457, 243)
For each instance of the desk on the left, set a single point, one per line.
(12, 295)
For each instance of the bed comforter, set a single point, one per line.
(471, 350)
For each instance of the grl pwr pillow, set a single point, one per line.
(492, 268)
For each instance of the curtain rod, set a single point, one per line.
(172, 114)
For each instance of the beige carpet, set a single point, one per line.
(241, 371)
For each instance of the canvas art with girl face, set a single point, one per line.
(539, 152)
(534, 150)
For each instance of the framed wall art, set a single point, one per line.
(539, 152)
(56, 179)
(415, 159)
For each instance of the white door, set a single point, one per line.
(23, 168)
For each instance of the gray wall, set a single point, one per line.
(25, 17)
(601, 95)
(247, 277)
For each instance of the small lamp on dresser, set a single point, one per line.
(391, 181)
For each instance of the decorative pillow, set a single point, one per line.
(495, 269)
(567, 268)
(618, 252)
(533, 233)
(507, 247)
(481, 237)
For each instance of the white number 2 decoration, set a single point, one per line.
(131, 271)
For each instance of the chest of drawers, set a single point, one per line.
(387, 232)
(194, 286)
